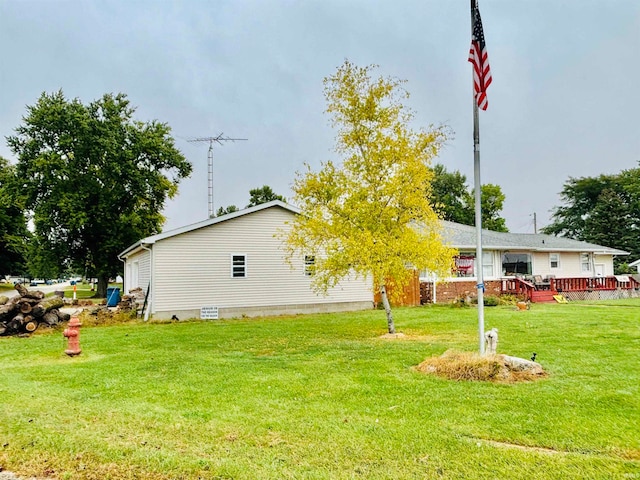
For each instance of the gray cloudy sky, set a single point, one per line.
(565, 98)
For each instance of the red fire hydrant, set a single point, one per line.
(73, 334)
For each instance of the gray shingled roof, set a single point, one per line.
(463, 237)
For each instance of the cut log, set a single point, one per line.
(51, 302)
(13, 326)
(25, 292)
(30, 324)
(38, 310)
(63, 317)
(51, 317)
(25, 307)
(3, 299)
(9, 306)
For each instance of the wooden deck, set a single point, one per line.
(568, 287)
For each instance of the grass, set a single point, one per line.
(324, 397)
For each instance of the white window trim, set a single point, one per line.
(309, 268)
(586, 264)
(244, 255)
(557, 267)
(488, 255)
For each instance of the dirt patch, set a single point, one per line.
(455, 365)
(393, 335)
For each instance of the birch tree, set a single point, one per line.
(369, 215)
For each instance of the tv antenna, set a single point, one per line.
(217, 139)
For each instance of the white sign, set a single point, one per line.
(209, 313)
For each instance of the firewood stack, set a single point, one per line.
(25, 312)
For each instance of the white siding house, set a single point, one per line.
(235, 265)
(511, 254)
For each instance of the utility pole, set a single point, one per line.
(217, 139)
(535, 223)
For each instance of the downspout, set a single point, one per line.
(124, 274)
(146, 312)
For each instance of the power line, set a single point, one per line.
(217, 139)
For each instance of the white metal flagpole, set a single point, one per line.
(478, 211)
(481, 80)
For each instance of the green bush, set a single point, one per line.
(489, 301)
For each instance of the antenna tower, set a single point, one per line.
(217, 139)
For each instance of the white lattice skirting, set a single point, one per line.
(601, 295)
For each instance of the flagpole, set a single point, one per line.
(478, 210)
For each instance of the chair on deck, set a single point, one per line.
(540, 283)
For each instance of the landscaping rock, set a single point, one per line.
(516, 364)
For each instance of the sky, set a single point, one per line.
(564, 102)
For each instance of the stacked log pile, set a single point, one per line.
(133, 301)
(25, 312)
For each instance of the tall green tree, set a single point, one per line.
(491, 202)
(14, 234)
(453, 200)
(450, 195)
(604, 210)
(94, 179)
(262, 195)
(370, 214)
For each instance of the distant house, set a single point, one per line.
(513, 254)
(635, 265)
(230, 266)
(536, 259)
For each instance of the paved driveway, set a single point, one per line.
(42, 288)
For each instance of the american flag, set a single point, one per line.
(478, 57)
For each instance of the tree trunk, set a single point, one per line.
(101, 289)
(387, 309)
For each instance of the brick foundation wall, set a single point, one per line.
(448, 291)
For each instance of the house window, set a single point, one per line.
(238, 266)
(585, 262)
(464, 265)
(309, 265)
(554, 260)
(487, 264)
(516, 263)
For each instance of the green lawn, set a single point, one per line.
(323, 397)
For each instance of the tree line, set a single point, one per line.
(604, 210)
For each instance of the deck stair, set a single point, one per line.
(542, 296)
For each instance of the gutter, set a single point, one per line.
(150, 302)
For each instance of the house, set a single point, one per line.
(524, 262)
(635, 265)
(230, 266)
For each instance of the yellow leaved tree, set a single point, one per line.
(370, 216)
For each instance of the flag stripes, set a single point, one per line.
(478, 57)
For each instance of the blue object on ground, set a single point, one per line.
(113, 296)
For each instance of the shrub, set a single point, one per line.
(489, 300)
